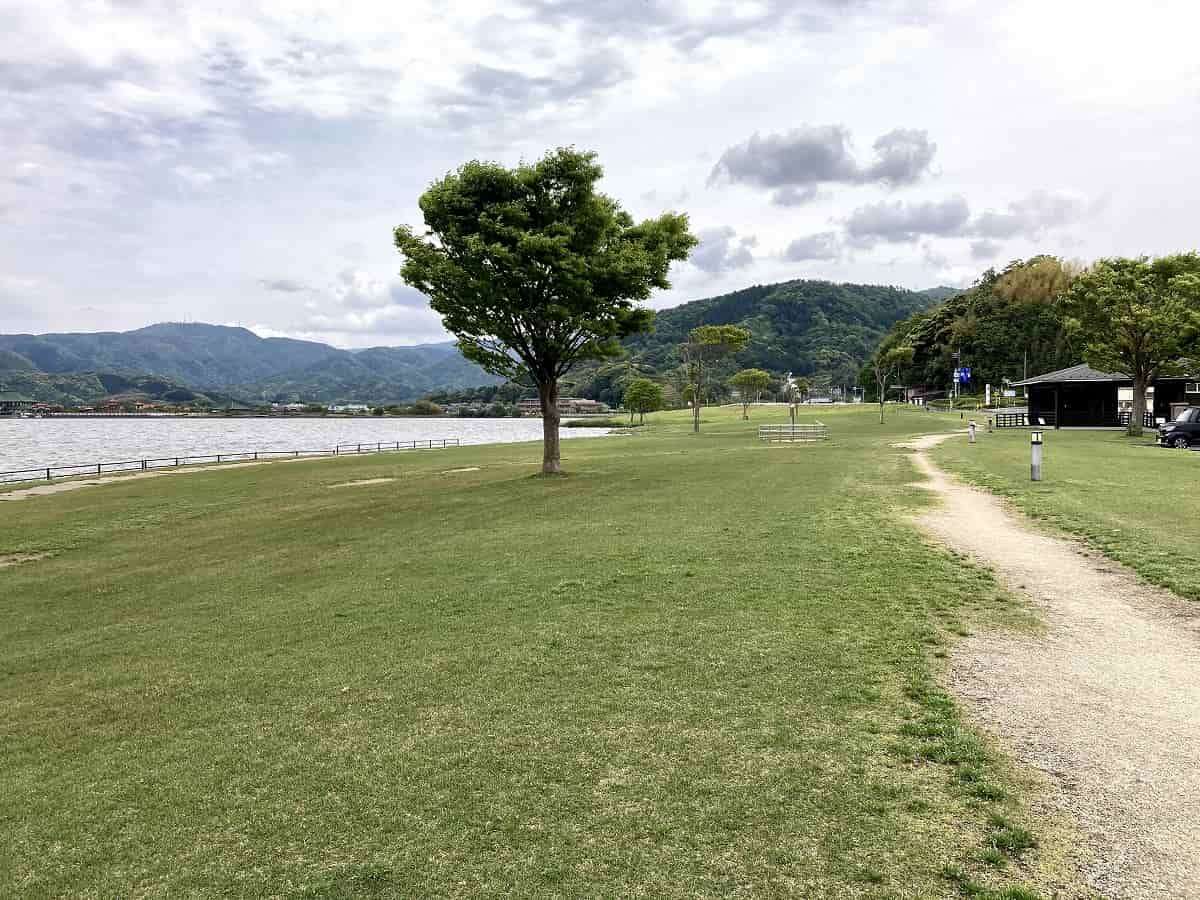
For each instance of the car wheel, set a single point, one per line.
(1179, 442)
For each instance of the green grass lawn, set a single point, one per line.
(1135, 502)
(695, 666)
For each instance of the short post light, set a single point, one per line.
(971, 432)
(1035, 456)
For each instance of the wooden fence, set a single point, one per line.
(809, 433)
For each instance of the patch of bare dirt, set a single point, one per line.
(16, 559)
(362, 483)
(1106, 703)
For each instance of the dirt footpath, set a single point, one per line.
(1106, 703)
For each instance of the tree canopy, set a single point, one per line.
(643, 396)
(1138, 316)
(533, 269)
(705, 344)
(750, 383)
(1009, 324)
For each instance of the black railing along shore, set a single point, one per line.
(49, 473)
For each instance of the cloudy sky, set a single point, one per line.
(246, 162)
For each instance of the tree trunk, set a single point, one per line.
(1139, 406)
(745, 411)
(696, 412)
(548, 395)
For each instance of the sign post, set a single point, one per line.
(1035, 456)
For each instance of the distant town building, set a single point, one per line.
(349, 408)
(568, 406)
(13, 404)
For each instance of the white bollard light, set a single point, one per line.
(971, 432)
(1035, 456)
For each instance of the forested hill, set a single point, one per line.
(221, 361)
(1007, 324)
(816, 329)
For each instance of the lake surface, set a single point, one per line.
(29, 443)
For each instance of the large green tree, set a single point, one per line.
(643, 396)
(533, 269)
(1137, 316)
(750, 383)
(705, 345)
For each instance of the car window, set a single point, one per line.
(1187, 415)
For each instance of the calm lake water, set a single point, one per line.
(28, 443)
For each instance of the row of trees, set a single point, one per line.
(1137, 316)
(535, 271)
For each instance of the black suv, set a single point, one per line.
(1184, 432)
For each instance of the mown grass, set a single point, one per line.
(695, 666)
(1129, 499)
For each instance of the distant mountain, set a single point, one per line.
(942, 292)
(84, 388)
(816, 329)
(229, 361)
(375, 375)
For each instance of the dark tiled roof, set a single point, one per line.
(1074, 373)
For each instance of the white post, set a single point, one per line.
(987, 395)
(971, 432)
(1035, 456)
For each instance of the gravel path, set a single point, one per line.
(1106, 703)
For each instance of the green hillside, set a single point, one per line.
(379, 375)
(86, 388)
(815, 329)
(1007, 324)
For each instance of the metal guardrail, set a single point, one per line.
(1125, 415)
(49, 473)
(1024, 420)
(1050, 420)
(794, 434)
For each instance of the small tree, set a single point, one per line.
(643, 396)
(750, 383)
(533, 270)
(885, 365)
(1139, 317)
(705, 345)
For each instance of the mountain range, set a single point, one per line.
(221, 362)
(808, 327)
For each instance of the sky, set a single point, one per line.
(245, 163)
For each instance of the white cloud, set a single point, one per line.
(161, 160)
